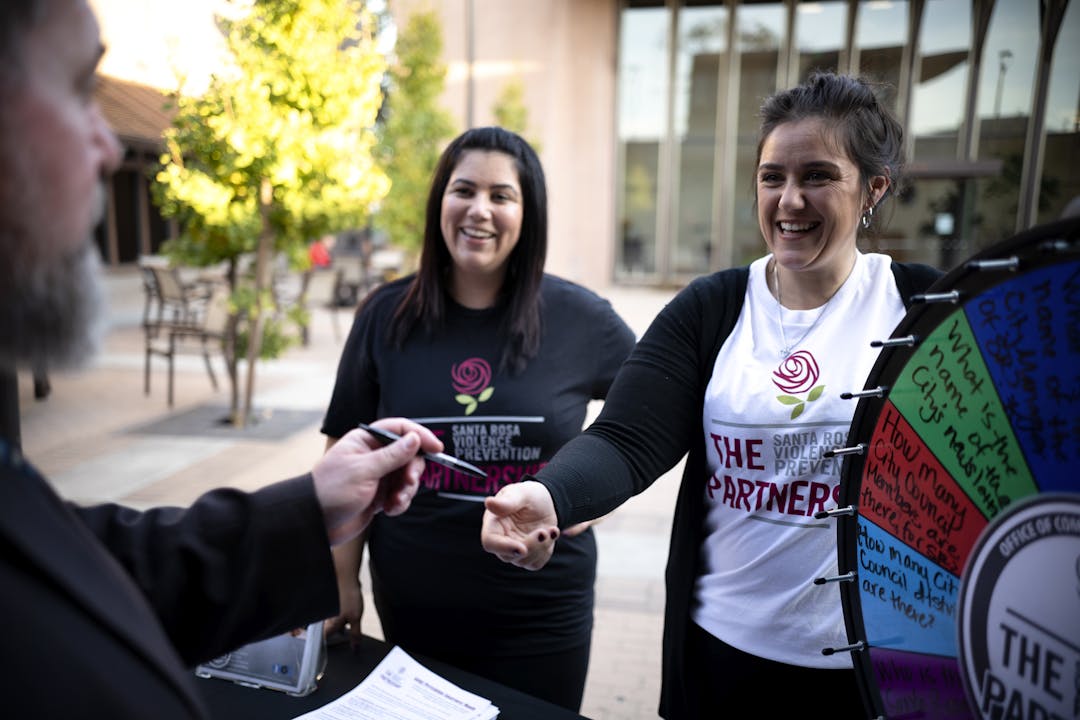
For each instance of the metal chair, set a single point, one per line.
(182, 301)
(214, 326)
(354, 279)
(320, 290)
(151, 295)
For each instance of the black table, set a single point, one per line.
(345, 669)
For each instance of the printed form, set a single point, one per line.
(400, 688)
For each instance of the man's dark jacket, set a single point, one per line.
(109, 609)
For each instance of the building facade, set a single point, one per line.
(646, 115)
(139, 115)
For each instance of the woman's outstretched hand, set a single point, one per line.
(520, 526)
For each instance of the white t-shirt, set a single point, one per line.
(767, 423)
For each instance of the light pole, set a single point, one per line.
(1002, 67)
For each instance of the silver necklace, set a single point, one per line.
(787, 347)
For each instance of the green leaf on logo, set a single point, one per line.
(815, 393)
(788, 400)
(486, 395)
(468, 401)
(798, 410)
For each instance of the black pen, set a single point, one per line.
(443, 459)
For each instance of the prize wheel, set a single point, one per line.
(959, 521)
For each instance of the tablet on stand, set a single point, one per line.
(292, 663)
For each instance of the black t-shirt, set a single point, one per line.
(435, 587)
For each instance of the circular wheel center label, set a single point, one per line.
(1019, 613)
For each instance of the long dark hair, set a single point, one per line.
(424, 303)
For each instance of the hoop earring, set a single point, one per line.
(867, 217)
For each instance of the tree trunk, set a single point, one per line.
(262, 286)
(231, 360)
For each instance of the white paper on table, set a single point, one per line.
(400, 688)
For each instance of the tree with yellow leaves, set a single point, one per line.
(277, 151)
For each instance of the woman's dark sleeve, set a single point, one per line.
(615, 342)
(650, 416)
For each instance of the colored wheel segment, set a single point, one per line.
(977, 414)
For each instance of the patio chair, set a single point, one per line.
(212, 329)
(182, 301)
(152, 310)
(320, 290)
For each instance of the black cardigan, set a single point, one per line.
(629, 446)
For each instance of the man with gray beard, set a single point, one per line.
(107, 608)
(51, 312)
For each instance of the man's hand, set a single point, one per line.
(520, 526)
(359, 477)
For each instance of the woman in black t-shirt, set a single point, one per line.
(500, 360)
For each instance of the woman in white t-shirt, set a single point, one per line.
(743, 370)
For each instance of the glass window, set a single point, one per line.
(1060, 183)
(819, 35)
(925, 222)
(937, 103)
(701, 63)
(642, 125)
(1004, 109)
(881, 30)
(759, 37)
(935, 207)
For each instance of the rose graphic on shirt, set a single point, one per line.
(796, 375)
(471, 378)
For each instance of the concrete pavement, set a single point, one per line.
(99, 438)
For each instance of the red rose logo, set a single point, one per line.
(797, 374)
(470, 378)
